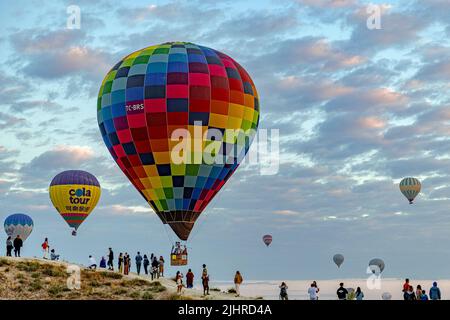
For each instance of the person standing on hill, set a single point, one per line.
(155, 268)
(45, 248)
(18, 243)
(146, 264)
(9, 246)
(138, 263)
(161, 267)
(205, 280)
(179, 281)
(237, 283)
(189, 279)
(110, 260)
(405, 289)
(435, 292)
(126, 263)
(341, 292)
(120, 263)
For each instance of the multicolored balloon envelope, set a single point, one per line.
(157, 98)
(18, 224)
(74, 193)
(410, 187)
(267, 239)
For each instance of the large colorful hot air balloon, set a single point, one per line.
(410, 187)
(338, 259)
(158, 94)
(74, 193)
(18, 224)
(267, 239)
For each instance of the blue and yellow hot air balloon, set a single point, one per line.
(74, 193)
(410, 187)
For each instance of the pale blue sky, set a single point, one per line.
(357, 110)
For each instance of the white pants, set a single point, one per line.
(236, 286)
(45, 253)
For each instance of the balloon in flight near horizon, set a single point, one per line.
(74, 194)
(152, 93)
(338, 259)
(267, 239)
(377, 265)
(18, 224)
(410, 187)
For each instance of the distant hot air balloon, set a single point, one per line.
(74, 193)
(158, 95)
(267, 239)
(338, 259)
(376, 265)
(410, 187)
(18, 224)
(386, 296)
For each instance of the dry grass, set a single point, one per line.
(36, 279)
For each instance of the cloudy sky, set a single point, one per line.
(357, 110)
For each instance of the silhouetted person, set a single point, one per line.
(283, 291)
(146, 263)
(155, 268)
(9, 246)
(342, 292)
(205, 280)
(120, 263)
(161, 267)
(102, 263)
(138, 260)
(110, 260)
(18, 243)
(189, 279)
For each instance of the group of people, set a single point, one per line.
(15, 244)
(420, 294)
(152, 265)
(205, 280)
(46, 250)
(342, 293)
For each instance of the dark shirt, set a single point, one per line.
(341, 293)
(189, 277)
(18, 243)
